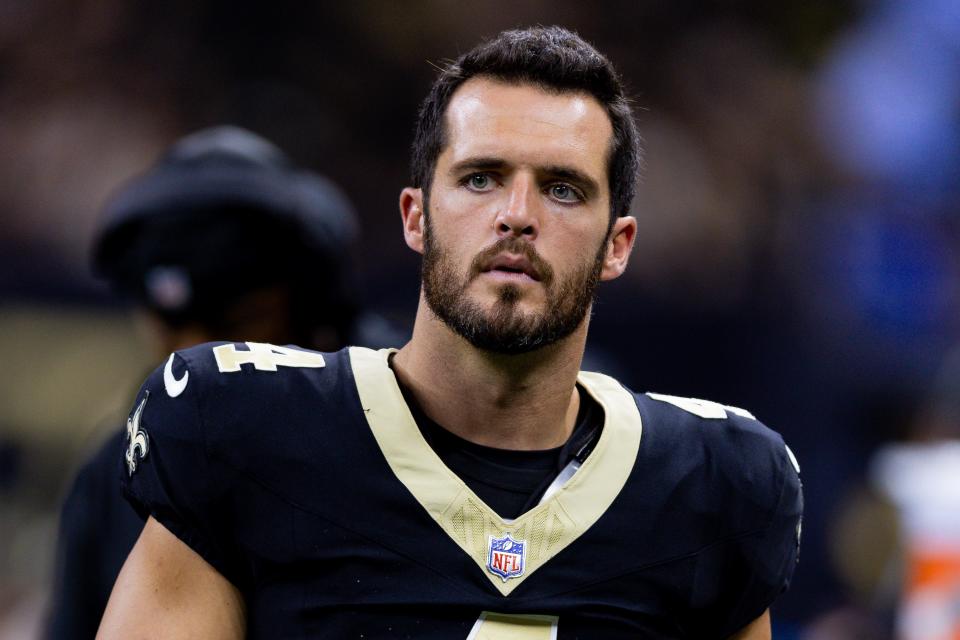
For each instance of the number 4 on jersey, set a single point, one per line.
(264, 357)
(702, 408)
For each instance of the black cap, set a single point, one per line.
(225, 212)
(221, 213)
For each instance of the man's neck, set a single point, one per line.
(526, 401)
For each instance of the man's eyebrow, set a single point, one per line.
(579, 178)
(480, 163)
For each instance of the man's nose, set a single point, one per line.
(520, 215)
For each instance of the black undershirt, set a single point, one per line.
(510, 482)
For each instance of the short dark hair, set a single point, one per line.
(551, 58)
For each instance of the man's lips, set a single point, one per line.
(507, 264)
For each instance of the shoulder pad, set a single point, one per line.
(738, 452)
(702, 408)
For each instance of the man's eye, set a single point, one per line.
(565, 193)
(479, 181)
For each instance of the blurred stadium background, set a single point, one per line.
(799, 227)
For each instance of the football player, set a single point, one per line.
(178, 240)
(475, 483)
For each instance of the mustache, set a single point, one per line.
(516, 246)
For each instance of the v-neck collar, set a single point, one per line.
(543, 531)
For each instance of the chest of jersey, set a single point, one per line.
(349, 526)
(303, 479)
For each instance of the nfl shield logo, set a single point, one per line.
(506, 557)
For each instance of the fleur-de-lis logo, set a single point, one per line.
(136, 437)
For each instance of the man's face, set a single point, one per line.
(516, 232)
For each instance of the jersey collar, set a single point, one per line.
(546, 529)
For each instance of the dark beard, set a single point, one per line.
(505, 329)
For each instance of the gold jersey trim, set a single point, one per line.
(549, 527)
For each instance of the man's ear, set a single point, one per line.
(411, 211)
(619, 245)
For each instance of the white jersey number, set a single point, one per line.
(264, 357)
(702, 408)
(504, 626)
(707, 409)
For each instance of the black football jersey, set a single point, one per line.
(303, 479)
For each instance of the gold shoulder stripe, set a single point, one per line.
(549, 527)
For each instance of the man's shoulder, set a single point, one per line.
(705, 423)
(691, 431)
(238, 397)
(727, 489)
(230, 416)
(730, 456)
(232, 367)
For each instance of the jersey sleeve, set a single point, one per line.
(168, 472)
(770, 554)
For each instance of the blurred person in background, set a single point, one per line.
(223, 238)
(921, 479)
(896, 538)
